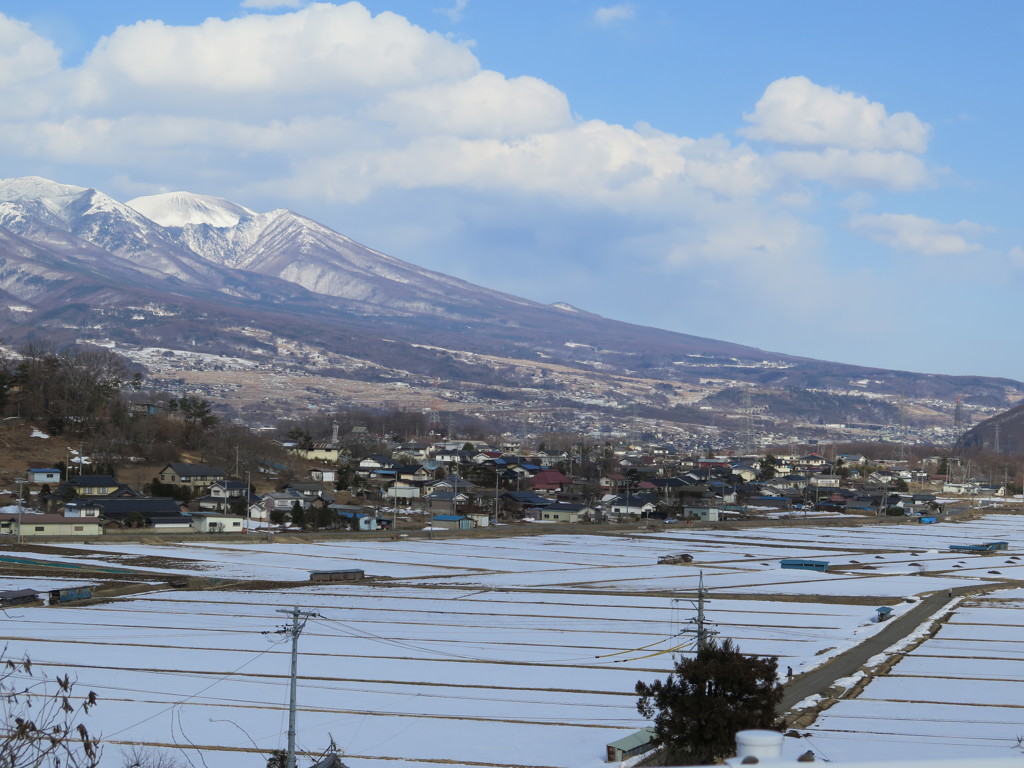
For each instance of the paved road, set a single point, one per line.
(845, 664)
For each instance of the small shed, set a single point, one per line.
(70, 594)
(805, 565)
(884, 613)
(346, 574)
(452, 522)
(44, 475)
(11, 597)
(631, 745)
(704, 514)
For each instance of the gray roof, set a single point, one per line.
(195, 470)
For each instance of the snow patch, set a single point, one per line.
(179, 209)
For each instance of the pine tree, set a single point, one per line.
(698, 709)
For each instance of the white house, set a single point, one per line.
(216, 522)
(47, 475)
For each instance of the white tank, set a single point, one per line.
(764, 745)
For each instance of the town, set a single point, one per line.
(330, 484)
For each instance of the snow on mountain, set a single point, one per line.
(35, 188)
(33, 207)
(180, 209)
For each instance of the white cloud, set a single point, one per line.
(796, 111)
(339, 54)
(846, 168)
(270, 4)
(24, 55)
(454, 13)
(906, 232)
(614, 13)
(331, 104)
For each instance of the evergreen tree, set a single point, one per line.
(298, 515)
(711, 696)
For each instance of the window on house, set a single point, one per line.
(79, 527)
(40, 528)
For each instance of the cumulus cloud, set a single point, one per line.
(915, 234)
(796, 111)
(331, 104)
(614, 13)
(24, 54)
(342, 53)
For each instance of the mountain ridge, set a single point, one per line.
(220, 275)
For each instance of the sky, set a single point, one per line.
(833, 180)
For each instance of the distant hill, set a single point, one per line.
(1002, 433)
(203, 275)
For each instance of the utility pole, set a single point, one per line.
(21, 484)
(295, 630)
(497, 478)
(702, 631)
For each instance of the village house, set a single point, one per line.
(355, 518)
(284, 501)
(157, 513)
(549, 480)
(196, 477)
(215, 522)
(224, 495)
(563, 512)
(45, 475)
(323, 475)
(448, 501)
(632, 505)
(94, 485)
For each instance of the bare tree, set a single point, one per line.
(142, 757)
(41, 725)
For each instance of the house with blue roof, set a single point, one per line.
(451, 522)
(44, 475)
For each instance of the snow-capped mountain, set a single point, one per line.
(181, 209)
(181, 270)
(283, 244)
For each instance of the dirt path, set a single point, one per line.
(819, 680)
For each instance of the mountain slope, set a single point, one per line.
(192, 272)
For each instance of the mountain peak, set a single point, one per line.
(34, 188)
(179, 209)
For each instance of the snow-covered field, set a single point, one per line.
(957, 695)
(516, 651)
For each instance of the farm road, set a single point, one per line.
(819, 680)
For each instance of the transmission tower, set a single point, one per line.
(748, 410)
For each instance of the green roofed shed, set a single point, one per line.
(634, 744)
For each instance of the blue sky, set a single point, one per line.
(836, 180)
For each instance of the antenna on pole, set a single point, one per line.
(299, 619)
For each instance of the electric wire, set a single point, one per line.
(201, 691)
